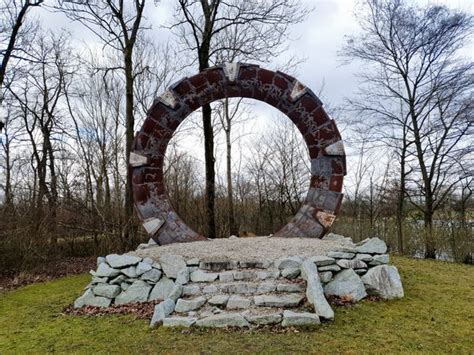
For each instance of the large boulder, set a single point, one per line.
(346, 283)
(105, 270)
(372, 246)
(162, 290)
(383, 281)
(105, 290)
(89, 299)
(137, 292)
(314, 290)
(172, 264)
(121, 261)
(161, 311)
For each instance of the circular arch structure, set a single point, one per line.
(299, 103)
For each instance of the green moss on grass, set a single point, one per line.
(436, 316)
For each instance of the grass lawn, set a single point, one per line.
(436, 316)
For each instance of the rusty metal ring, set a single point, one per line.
(299, 103)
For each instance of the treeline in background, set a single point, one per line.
(69, 115)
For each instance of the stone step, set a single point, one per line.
(217, 303)
(243, 287)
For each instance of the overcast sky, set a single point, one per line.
(318, 40)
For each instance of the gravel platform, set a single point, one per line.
(247, 249)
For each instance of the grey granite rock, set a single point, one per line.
(364, 257)
(104, 270)
(99, 280)
(172, 264)
(121, 261)
(130, 272)
(351, 264)
(256, 264)
(142, 268)
(105, 290)
(191, 290)
(226, 276)
(325, 276)
(315, 292)
(383, 281)
(100, 260)
(334, 268)
(162, 290)
(346, 283)
(288, 262)
(264, 319)
(137, 292)
(299, 319)
(268, 274)
(288, 300)
(219, 300)
(152, 275)
(223, 320)
(148, 260)
(290, 273)
(290, 287)
(210, 289)
(183, 305)
(118, 280)
(161, 311)
(340, 255)
(239, 288)
(243, 275)
(182, 277)
(89, 299)
(201, 276)
(266, 287)
(380, 260)
(192, 262)
(176, 292)
(185, 322)
(238, 302)
(372, 246)
(321, 260)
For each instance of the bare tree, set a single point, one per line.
(11, 22)
(414, 61)
(118, 24)
(216, 30)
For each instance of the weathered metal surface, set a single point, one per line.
(298, 102)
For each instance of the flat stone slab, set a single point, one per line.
(246, 249)
(179, 322)
(189, 305)
(264, 319)
(291, 300)
(223, 320)
(299, 319)
(121, 261)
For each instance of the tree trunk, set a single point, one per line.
(230, 195)
(430, 250)
(129, 231)
(401, 201)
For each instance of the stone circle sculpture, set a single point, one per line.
(299, 103)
